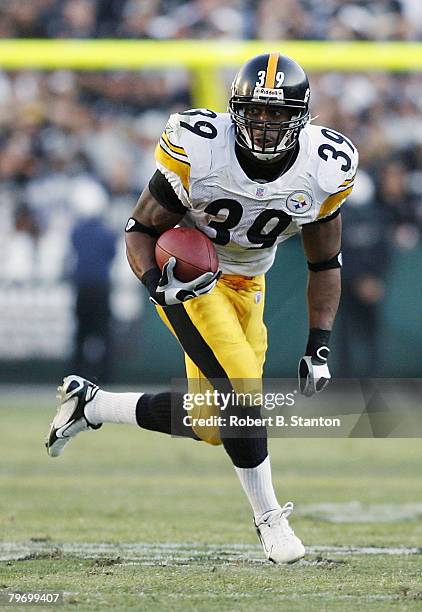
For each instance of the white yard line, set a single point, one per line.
(173, 553)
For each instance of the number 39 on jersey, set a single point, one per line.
(246, 219)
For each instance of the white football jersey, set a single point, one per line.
(244, 218)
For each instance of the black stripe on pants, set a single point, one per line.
(247, 447)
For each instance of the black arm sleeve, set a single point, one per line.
(164, 193)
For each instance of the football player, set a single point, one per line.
(249, 179)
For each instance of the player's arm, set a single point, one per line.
(322, 243)
(149, 219)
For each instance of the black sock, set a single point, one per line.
(163, 412)
(246, 452)
(154, 412)
(246, 445)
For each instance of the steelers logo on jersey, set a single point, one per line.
(299, 202)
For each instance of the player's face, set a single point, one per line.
(266, 132)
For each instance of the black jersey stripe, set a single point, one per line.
(197, 348)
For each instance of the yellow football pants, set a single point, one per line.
(223, 336)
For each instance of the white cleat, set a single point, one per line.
(277, 537)
(74, 395)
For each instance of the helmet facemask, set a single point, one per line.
(268, 139)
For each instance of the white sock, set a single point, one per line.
(258, 486)
(112, 408)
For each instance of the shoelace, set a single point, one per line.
(278, 520)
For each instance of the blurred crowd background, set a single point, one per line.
(78, 146)
(260, 19)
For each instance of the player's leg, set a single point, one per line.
(278, 540)
(84, 406)
(252, 465)
(224, 337)
(249, 455)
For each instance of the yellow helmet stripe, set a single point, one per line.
(271, 70)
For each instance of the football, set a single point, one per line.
(194, 252)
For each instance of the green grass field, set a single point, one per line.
(131, 520)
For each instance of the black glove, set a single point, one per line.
(313, 372)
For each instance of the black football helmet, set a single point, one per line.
(276, 81)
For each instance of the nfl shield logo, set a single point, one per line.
(260, 191)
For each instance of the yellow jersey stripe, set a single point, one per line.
(180, 156)
(333, 202)
(181, 168)
(173, 147)
(176, 156)
(271, 70)
(347, 181)
(345, 185)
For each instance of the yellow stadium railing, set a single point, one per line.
(204, 57)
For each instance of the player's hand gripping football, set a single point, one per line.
(171, 291)
(313, 372)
